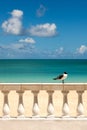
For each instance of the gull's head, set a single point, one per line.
(65, 73)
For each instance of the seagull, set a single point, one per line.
(61, 77)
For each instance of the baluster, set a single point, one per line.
(50, 108)
(80, 108)
(6, 109)
(65, 108)
(20, 109)
(35, 108)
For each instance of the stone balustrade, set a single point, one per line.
(50, 88)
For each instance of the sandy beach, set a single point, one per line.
(43, 101)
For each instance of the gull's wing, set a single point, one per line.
(58, 77)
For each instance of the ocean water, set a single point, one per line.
(42, 71)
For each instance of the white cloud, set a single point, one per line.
(27, 40)
(14, 46)
(13, 25)
(17, 13)
(17, 46)
(43, 30)
(41, 11)
(59, 51)
(82, 49)
(55, 53)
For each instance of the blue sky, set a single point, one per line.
(49, 29)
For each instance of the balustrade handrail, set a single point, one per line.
(43, 86)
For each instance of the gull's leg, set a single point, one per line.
(63, 81)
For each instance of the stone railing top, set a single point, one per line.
(43, 86)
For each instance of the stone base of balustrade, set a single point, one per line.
(6, 116)
(80, 116)
(65, 116)
(51, 116)
(36, 116)
(44, 124)
(22, 116)
(43, 118)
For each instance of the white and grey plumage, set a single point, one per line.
(61, 77)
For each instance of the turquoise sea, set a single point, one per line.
(42, 71)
